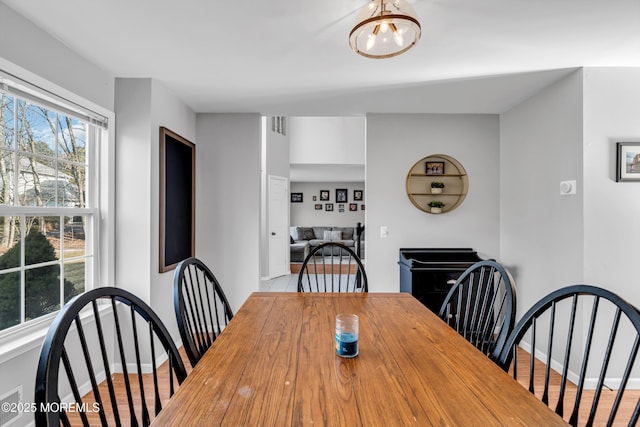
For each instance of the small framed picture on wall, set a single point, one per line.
(324, 195)
(353, 207)
(357, 195)
(328, 207)
(341, 195)
(318, 206)
(296, 197)
(435, 168)
(628, 161)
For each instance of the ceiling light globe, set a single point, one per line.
(396, 16)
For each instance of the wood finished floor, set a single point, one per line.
(119, 386)
(628, 403)
(630, 397)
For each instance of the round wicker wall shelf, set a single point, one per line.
(438, 168)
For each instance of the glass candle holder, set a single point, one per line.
(347, 329)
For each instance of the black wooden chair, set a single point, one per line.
(588, 338)
(99, 360)
(201, 307)
(481, 306)
(332, 267)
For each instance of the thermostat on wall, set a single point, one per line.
(567, 187)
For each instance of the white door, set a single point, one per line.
(278, 226)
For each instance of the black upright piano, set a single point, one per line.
(429, 273)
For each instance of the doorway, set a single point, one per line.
(278, 225)
(328, 152)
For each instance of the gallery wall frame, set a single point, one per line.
(628, 161)
(177, 199)
(341, 195)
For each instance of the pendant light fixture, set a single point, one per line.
(385, 28)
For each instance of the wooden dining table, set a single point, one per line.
(275, 365)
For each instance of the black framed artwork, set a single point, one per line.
(328, 207)
(296, 197)
(357, 195)
(177, 199)
(324, 195)
(628, 161)
(353, 207)
(435, 168)
(318, 206)
(341, 195)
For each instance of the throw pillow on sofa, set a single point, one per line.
(332, 235)
(347, 232)
(306, 233)
(319, 231)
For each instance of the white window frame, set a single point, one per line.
(28, 335)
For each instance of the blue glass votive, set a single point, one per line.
(347, 344)
(347, 326)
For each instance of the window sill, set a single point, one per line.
(23, 339)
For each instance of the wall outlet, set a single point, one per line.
(384, 232)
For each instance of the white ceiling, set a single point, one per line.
(292, 57)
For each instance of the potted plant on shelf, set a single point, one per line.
(436, 187)
(436, 206)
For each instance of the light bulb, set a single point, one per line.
(397, 37)
(371, 41)
(384, 27)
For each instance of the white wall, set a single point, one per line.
(611, 209)
(228, 201)
(327, 140)
(304, 214)
(276, 151)
(394, 143)
(133, 185)
(169, 111)
(551, 241)
(541, 231)
(24, 46)
(142, 106)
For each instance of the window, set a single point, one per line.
(48, 205)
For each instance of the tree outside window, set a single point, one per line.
(44, 214)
